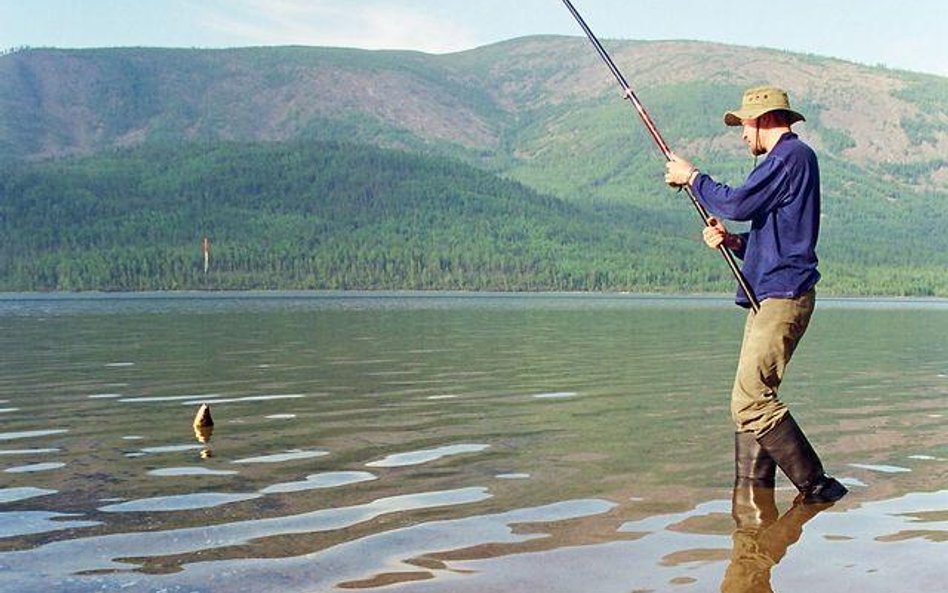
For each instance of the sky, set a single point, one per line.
(903, 34)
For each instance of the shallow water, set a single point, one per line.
(449, 442)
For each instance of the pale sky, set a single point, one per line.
(905, 34)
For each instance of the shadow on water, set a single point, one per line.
(453, 444)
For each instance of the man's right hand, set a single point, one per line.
(714, 234)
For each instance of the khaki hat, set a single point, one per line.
(758, 101)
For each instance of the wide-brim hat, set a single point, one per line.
(760, 100)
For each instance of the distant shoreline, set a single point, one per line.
(393, 296)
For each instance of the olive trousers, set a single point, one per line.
(770, 337)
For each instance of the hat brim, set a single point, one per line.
(736, 118)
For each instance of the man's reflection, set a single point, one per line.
(761, 535)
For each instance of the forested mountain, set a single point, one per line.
(313, 215)
(512, 166)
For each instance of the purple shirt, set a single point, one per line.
(781, 199)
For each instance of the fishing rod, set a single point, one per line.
(666, 151)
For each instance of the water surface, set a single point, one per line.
(440, 442)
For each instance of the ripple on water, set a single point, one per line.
(167, 398)
(58, 562)
(884, 469)
(556, 395)
(179, 502)
(23, 493)
(29, 434)
(425, 455)
(19, 523)
(292, 455)
(170, 448)
(248, 398)
(853, 482)
(320, 481)
(390, 556)
(191, 471)
(28, 451)
(35, 467)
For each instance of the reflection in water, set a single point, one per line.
(203, 435)
(761, 537)
(595, 484)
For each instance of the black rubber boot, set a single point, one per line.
(752, 503)
(752, 465)
(790, 448)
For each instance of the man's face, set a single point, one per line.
(751, 136)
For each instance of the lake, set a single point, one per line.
(442, 442)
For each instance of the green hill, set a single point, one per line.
(535, 174)
(506, 105)
(308, 215)
(329, 215)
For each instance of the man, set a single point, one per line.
(781, 200)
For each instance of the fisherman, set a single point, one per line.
(781, 200)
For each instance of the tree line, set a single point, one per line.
(312, 215)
